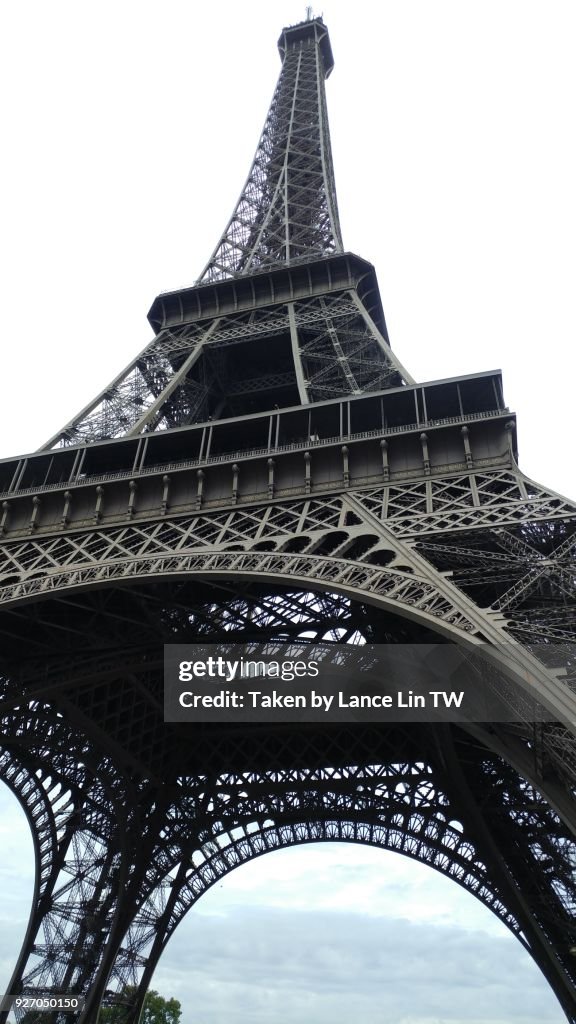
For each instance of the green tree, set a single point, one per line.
(161, 1011)
(157, 1010)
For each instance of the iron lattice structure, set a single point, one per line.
(267, 470)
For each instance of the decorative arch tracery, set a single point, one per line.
(388, 787)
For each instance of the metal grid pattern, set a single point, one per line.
(287, 211)
(132, 821)
(184, 374)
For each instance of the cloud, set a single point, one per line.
(281, 965)
(347, 876)
(16, 881)
(327, 933)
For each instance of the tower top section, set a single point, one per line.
(287, 212)
(308, 33)
(281, 317)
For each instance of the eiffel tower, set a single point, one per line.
(267, 469)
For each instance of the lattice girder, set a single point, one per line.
(267, 469)
(316, 349)
(369, 544)
(142, 946)
(80, 867)
(287, 211)
(351, 544)
(216, 822)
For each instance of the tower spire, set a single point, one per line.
(281, 315)
(287, 210)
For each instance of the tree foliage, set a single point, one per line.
(157, 1010)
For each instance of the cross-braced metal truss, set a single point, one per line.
(316, 349)
(287, 211)
(408, 521)
(123, 860)
(506, 543)
(389, 545)
(200, 368)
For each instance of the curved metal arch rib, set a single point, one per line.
(301, 804)
(400, 808)
(75, 802)
(433, 602)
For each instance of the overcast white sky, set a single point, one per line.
(128, 128)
